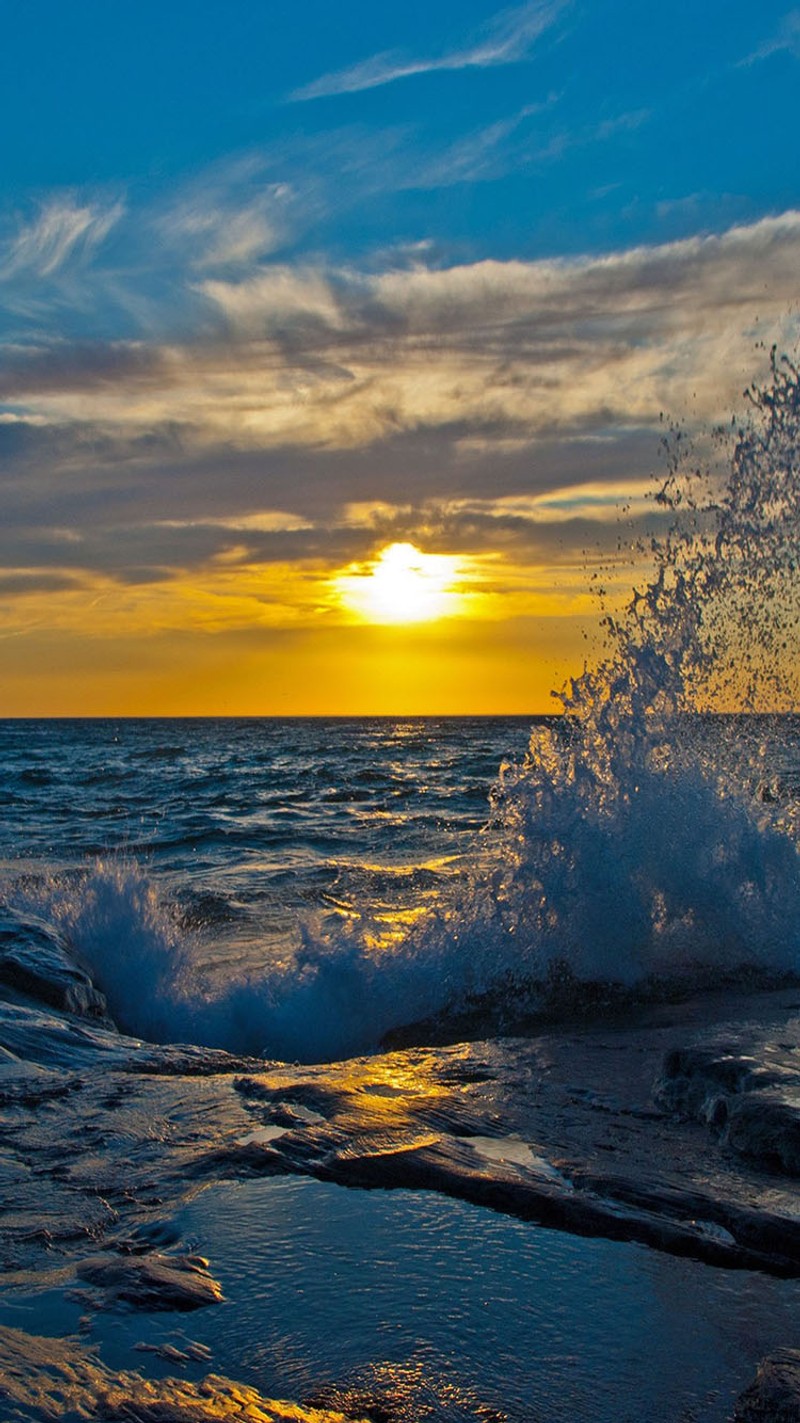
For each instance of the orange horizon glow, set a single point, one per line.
(447, 668)
(404, 633)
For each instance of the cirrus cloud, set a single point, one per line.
(509, 38)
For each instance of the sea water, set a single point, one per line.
(301, 888)
(241, 883)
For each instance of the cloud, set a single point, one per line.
(64, 230)
(786, 39)
(508, 145)
(25, 581)
(86, 267)
(293, 299)
(335, 358)
(231, 215)
(60, 275)
(315, 411)
(509, 38)
(76, 366)
(483, 155)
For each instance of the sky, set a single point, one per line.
(337, 341)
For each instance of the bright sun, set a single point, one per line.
(402, 585)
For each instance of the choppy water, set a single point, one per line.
(302, 888)
(194, 865)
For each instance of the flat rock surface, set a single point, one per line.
(152, 1281)
(573, 1129)
(675, 1130)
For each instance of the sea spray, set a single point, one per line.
(333, 997)
(638, 844)
(644, 840)
(633, 841)
(114, 921)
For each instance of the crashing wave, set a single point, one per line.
(638, 846)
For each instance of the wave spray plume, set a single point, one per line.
(643, 840)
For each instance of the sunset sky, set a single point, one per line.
(334, 338)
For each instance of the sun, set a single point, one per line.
(402, 585)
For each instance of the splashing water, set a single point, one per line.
(633, 843)
(335, 997)
(114, 922)
(637, 843)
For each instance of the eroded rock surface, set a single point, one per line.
(34, 962)
(561, 1129)
(106, 1138)
(750, 1102)
(774, 1394)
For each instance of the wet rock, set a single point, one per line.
(24, 1084)
(752, 1105)
(579, 1201)
(49, 1038)
(559, 1129)
(695, 1080)
(187, 1060)
(765, 1129)
(152, 1282)
(34, 963)
(187, 1352)
(151, 1236)
(53, 1379)
(774, 1394)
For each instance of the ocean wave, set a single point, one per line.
(645, 844)
(496, 958)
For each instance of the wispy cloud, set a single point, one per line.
(64, 229)
(82, 266)
(786, 39)
(63, 278)
(320, 357)
(509, 38)
(507, 145)
(230, 215)
(483, 155)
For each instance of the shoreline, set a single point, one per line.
(192, 1178)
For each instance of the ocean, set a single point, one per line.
(424, 1068)
(204, 854)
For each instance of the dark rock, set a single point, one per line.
(52, 1379)
(35, 963)
(695, 1080)
(190, 1353)
(752, 1106)
(188, 1060)
(774, 1394)
(153, 1282)
(765, 1129)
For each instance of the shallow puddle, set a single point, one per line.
(444, 1310)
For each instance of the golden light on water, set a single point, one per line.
(403, 585)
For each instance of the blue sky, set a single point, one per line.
(544, 128)
(281, 282)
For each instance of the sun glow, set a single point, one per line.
(402, 585)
